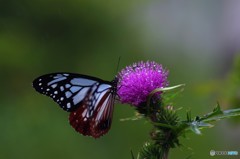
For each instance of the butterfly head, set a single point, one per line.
(115, 84)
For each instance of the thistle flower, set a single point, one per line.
(140, 79)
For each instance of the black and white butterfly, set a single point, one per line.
(89, 100)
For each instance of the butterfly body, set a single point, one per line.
(89, 100)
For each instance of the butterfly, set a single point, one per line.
(89, 100)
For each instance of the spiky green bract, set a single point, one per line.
(152, 151)
(165, 122)
(164, 132)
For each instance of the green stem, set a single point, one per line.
(165, 153)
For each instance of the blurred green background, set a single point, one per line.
(196, 40)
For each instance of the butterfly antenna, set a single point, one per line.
(119, 58)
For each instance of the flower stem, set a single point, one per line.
(165, 153)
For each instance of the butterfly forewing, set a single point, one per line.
(67, 89)
(90, 100)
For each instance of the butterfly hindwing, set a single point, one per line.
(94, 120)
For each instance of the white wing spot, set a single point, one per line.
(68, 105)
(103, 87)
(54, 96)
(48, 89)
(57, 80)
(40, 84)
(61, 98)
(56, 92)
(81, 81)
(68, 94)
(74, 89)
(65, 74)
(62, 88)
(85, 119)
(54, 85)
(39, 79)
(58, 76)
(41, 88)
(67, 85)
(80, 95)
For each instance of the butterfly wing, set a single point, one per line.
(94, 120)
(90, 100)
(67, 89)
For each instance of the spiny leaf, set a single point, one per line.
(196, 130)
(195, 126)
(216, 111)
(225, 114)
(203, 122)
(218, 114)
(165, 89)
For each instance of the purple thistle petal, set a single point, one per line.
(138, 80)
